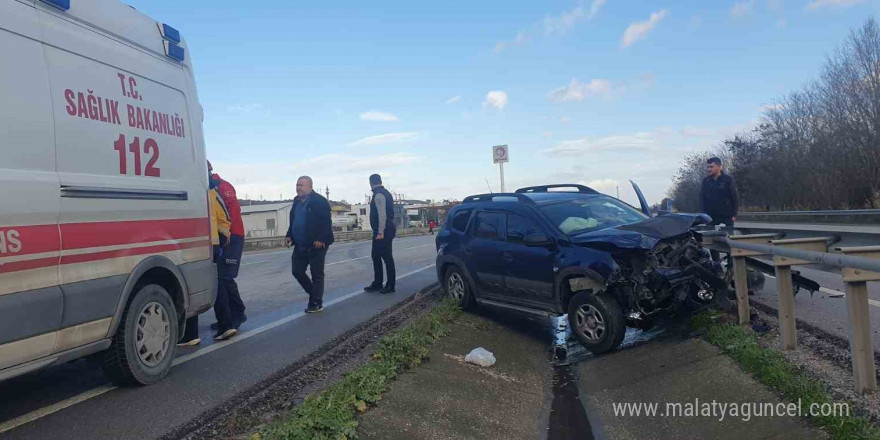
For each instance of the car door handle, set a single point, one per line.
(507, 257)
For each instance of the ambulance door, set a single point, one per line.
(30, 300)
(125, 159)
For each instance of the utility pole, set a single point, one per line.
(327, 191)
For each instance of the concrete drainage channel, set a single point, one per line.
(568, 417)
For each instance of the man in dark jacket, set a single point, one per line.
(311, 233)
(718, 197)
(718, 194)
(384, 230)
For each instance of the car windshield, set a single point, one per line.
(589, 214)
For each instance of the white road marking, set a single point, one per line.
(836, 293)
(416, 247)
(95, 392)
(346, 261)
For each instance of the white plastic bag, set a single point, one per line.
(480, 356)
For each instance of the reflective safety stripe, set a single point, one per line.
(50, 255)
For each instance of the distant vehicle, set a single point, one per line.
(603, 262)
(104, 233)
(343, 221)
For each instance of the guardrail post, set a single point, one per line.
(787, 327)
(861, 346)
(740, 277)
(741, 280)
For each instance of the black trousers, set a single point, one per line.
(228, 270)
(221, 305)
(305, 257)
(382, 251)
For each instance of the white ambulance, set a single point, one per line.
(104, 232)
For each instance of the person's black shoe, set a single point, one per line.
(387, 289)
(315, 308)
(236, 323)
(373, 288)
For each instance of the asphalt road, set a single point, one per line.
(74, 401)
(825, 309)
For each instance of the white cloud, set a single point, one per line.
(547, 135)
(454, 99)
(496, 98)
(818, 4)
(521, 38)
(691, 131)
(569, 19)
(565, 119)
(345, 174)
(742, 9)
(378, 163)
(377, 116)
(620, 143)
(387, 138)
(607, 186)
(577, 91)
(640, 29)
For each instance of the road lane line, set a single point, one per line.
(55, 407)
(95, 392)
(416, 247)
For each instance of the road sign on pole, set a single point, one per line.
(500, 155)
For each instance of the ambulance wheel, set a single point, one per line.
(144, 344)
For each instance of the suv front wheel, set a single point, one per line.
(597, 321)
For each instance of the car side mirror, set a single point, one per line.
(537, 239)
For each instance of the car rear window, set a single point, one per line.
(489, 225)
(460, 220)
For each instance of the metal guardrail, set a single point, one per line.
(851, 227)
(805, 244)
(343, 236)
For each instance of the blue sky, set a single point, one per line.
(595, 92)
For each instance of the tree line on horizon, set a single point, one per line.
(816, 148)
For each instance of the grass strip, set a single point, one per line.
(772, 369)
(332, 414)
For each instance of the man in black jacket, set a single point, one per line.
(718, 197)
(718, 194)
(384, 230)
(311, 233)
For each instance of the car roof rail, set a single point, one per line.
(546, 188)
(491, 198)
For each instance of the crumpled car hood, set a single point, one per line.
(644, 234)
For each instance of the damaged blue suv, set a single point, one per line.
(567, 249)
